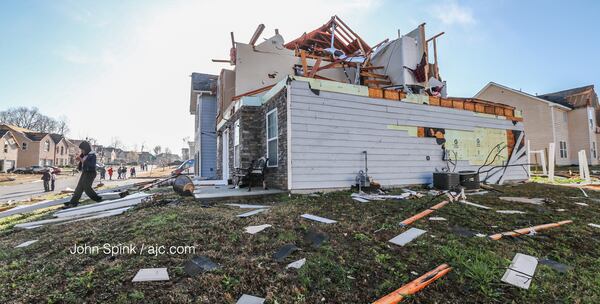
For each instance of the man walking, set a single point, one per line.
(87, 166)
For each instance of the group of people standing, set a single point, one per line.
(122, 172)
(49, 177)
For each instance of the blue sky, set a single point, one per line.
(121, 68)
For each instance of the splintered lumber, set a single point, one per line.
(524, 231)
(422, 214)
(304, 64)
(415, 286)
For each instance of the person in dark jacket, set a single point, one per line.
(87, 166)
(46, 178)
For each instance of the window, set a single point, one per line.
(594, 149)
(5, 147)
(591, 117)
(236, 144)
(47, 146)
(562, 147)
(24, 146)
(272, 140)
(62, 150)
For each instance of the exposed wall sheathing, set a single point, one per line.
(330, 130)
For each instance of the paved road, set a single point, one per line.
(36, 188)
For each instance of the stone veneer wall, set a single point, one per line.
(253, 139)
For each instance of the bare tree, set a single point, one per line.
(116, 143)
(62, 125)
(157, 150)
(31, 118)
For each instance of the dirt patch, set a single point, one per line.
(355, 264)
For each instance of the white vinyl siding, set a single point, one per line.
(272, 140)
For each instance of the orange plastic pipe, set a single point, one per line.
(422, 214)
(415, 286)
(523, 231)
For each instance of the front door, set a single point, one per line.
(225, 155)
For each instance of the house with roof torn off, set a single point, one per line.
(328, 105)
(569, 119)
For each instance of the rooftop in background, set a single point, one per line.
(35, 136)
(574, 98)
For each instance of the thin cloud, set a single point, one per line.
(451, 13)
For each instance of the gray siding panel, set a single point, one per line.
(330, 130)
(208, 149)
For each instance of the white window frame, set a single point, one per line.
(237, 162)
(562, 147)
(276, 138)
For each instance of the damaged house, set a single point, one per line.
(327, 107)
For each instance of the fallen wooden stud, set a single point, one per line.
(422, 214)
(415, 286)
(524, 231)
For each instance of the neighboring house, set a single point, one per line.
(203, 105)
(61, 147)
(9, 151)
(36, 148)
(568, 118)
(185, 153)
(145, 158)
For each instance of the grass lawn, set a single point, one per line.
(356, 264)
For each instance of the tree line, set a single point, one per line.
(32, 119)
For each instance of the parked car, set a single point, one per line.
(184, 168)
(22, 170)
(37, 169)
(56, 170)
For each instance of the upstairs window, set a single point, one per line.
(272, 138)
(5, 147)
(47, 146)
(24, 145)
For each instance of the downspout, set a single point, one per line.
(553, 134)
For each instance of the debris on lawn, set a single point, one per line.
(561, 210)
(407, 236)
(284, 252)
(530, 230)
(257, 229)
(475, 205)
(248, 206)
(297, 264)
(199, 264)
(464, 232)
(415, 286)
(581, 204)
(534, 201)
(480, 192)
(521, 270)
(151, 274)
(510, 211)
(365, 198)
(26, 244)
(594, 225)
(422, 214)
(437, 218)
(316, 238)
(560, 267)
(248, 299)
(318, 218)
(183, 185)
(251, 213)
